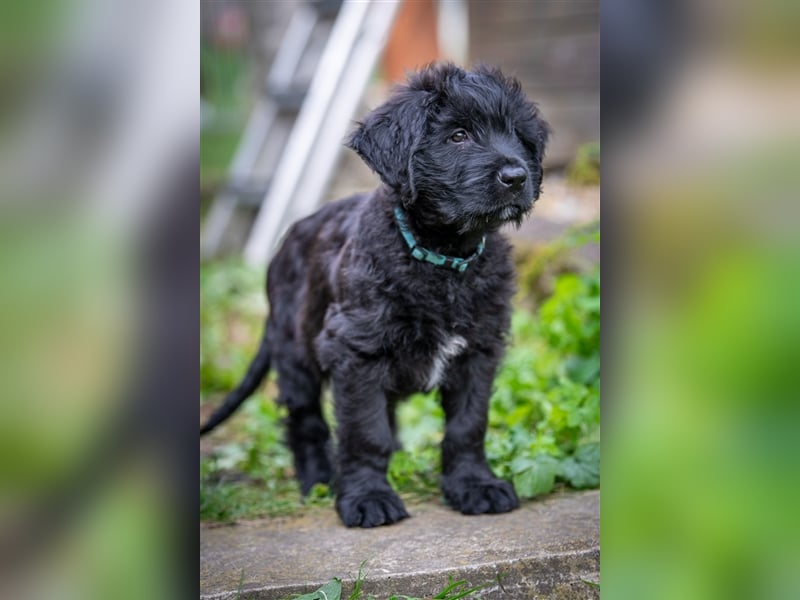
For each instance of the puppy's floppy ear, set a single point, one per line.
(387, 138)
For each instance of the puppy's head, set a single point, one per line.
(459, 148)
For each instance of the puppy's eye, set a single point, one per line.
(458, 136)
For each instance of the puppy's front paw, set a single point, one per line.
(370, 509)
(477, 497)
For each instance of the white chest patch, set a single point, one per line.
(451, 348)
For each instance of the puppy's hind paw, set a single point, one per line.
(481, 497)
(308, 479)
(371, 509)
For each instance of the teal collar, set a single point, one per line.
(425, 255)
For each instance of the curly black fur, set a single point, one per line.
(461, 152)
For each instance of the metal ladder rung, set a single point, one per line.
(360, 31)
(340, 74)
(249, 192)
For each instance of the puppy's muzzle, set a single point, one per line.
(512, 177)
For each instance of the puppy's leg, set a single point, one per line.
(307, 433)
(364, 496)
(468, 483)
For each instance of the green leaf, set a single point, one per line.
(584, 370)
(582, 470)
(458, 589)
(330, 591)
(537, 479)
(593, 584)
(520, 464)
(590, 303)
(356, 593)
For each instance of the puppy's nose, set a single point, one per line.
(512, 176)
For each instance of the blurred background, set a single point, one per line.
(282, 84)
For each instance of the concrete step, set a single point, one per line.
(549, 548)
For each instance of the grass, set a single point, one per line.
(544, 421)
(454, 590)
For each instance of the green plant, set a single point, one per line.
(540, 265)
(585, 167)
(330, 591)
(545, 413)
(454, 590)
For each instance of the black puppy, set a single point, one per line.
(405, 289)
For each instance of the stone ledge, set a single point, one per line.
(547, 549)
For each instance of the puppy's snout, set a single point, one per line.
(512, 176)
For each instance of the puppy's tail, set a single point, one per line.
(254, 376)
